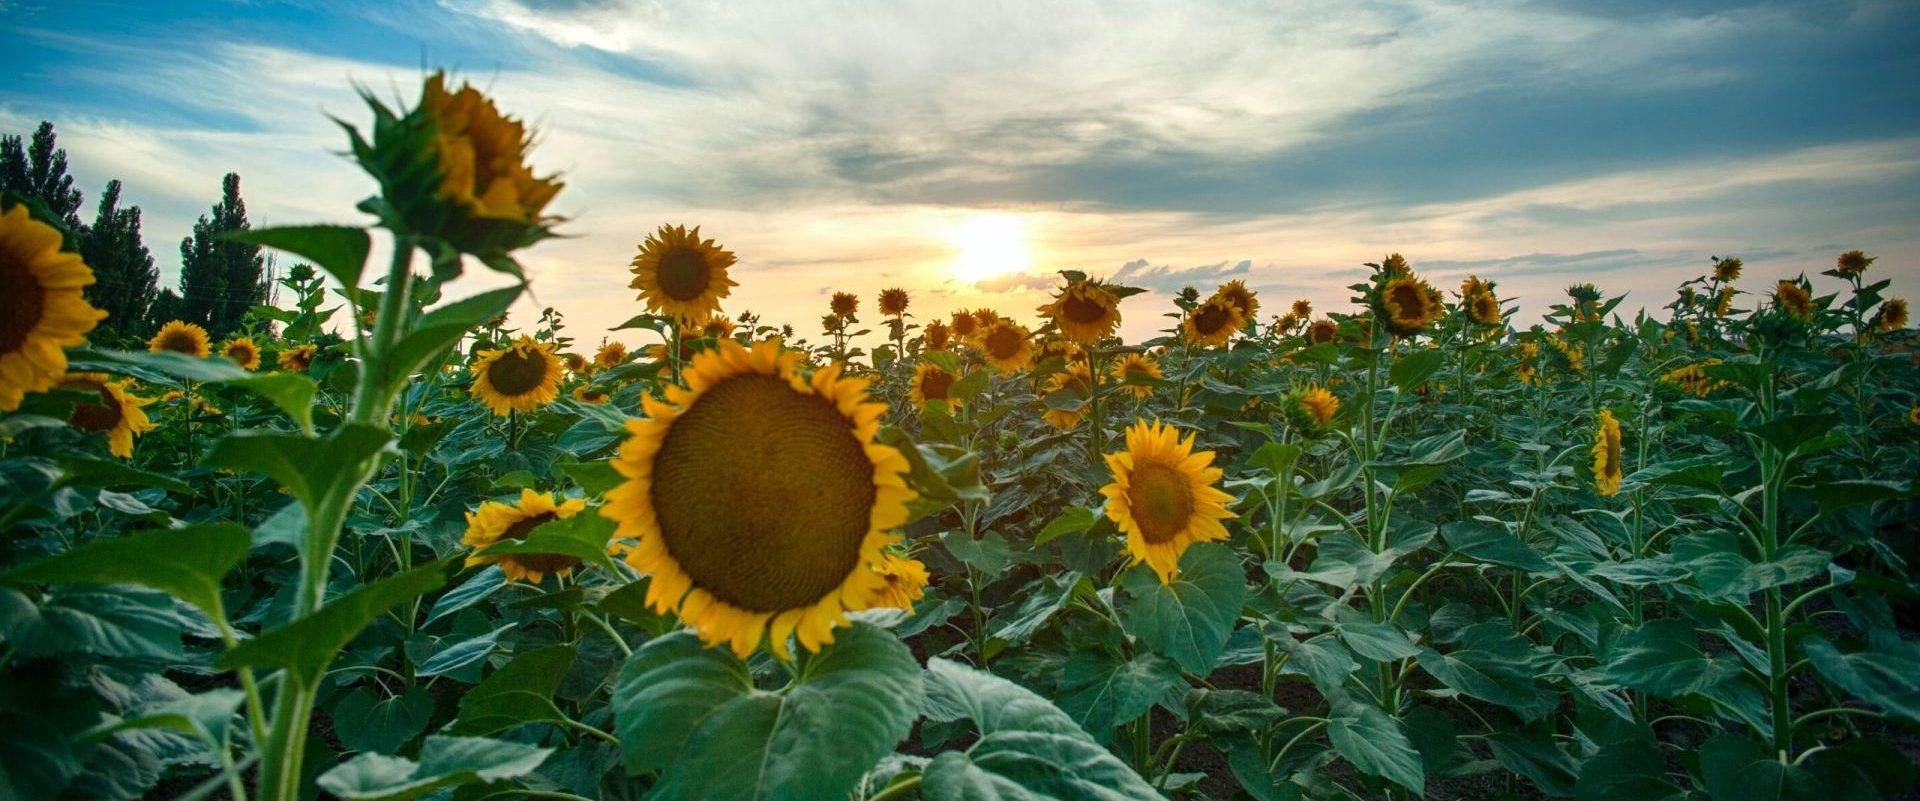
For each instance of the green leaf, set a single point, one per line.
(1052, 594)
(665, 691)
(462, 653)
(1190, 619)
(113, 623)
(1074, 520)
(338, 249)
(521, 692)
(1491, 664)
(1663, 657)
(1102, 692)
(1322, 659)
(292, 392)
(306, 646)
(309, 468)
(444, 762)
(439, 329)
(476, 588)
(1380, 642)
(1736, 769)
(372, 721)
(1625, 770)
(93, 471)
(1415, 368)
(1492, 544)
(205, 717)
(1374, 743)
(187, 563)
(35, 765)
(595, 478)
(583, 536)
(1885, 674)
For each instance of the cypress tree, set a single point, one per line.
(123, 271)
(40, 171)
(221, 279)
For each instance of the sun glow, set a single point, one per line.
(989, 245)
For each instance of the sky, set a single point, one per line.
(966, 151)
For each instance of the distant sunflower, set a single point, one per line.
(1474, 286)
(1084, 311)
(935, 335)
(1794, 299)
(1322, 331)
(612, 354)
(717, 327)
(1853, 262)
(1212, 323)
(1005, 345)
(1242, 299)
(1607, 470)
(893, 301)
(844, 304)
(906, 582)
(1484, 308)
(964, 325)
(1302, 308)
(758, 498)
(42, 306)
(117, 411)
(495, 521)
(682, 275)
(585, 393)
(1723, 302)
(1396, 264)
(1163, 496)
(1727, 270)
(930, 385)
(297, 358)
(1287, 322)
(985, 317)
(1913, 415)
(1312, 408)
(519, 378)
(1134, 366)
(181, 337)
(1892, 315)
(1063, 349)
(1077, 381)
(243, 352)
(1693, 379)
(1408, 305)
(577, 364)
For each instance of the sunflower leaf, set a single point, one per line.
(340, 250)
(444, 762)
(187, 563)
(306, 646)
(1190, 618)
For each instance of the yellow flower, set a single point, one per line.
(1474, 286)
(495, 521)
(1136, 367)
(1396, 264)
(1408, 305)
(717, 327)
(181, 337)
(986, 317)
(758, 498)
(482, 155)
(936, 335)
(1062, 349)
(1005, 345)
(1853, 262)
(1693, 379)
(297, 358)
(1302, 309)
(1723, 303)
(1243, 300)
(906, 582)
(1288, 322)
(1313, 408)
(893, 301)
(1320, 332)
(1077, 380)
(844, 304)
(1607, 470)
(1484, 308)
(612, 354)
(42, 308)
(964, 324)
(1212, 323)
(930, 385)
(1727, 270)
(1913, 415)
(1892, 315)
(681, 275)
(577, 364)
(1084, 311)
(1163, 496)
(520, 378)
(585, 393)
(243, 352)
(117, 412)
(1794, 299)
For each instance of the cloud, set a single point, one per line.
(1167, 279)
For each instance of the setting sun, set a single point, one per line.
(988, 245)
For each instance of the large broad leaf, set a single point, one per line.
(306, 646)
(187, 563)
(1491, 664)
(1625, 770)
(444, 762)
(1054, 594)
(1722, 572)
(1415, 368)
(1380, 642)
(852, 703)
(476, 588)
(667, 688)
(1322, 658)
(309, 468)
(1886, 674)
(291, 392)
(120, 622)
(1028, 749)
(1738, 769)
(1102, 692)
(1374, 743)
(463, 653)
(1190, 619)
(338, 249)
(1494, 544)
(94, 471)
(1663, 657)
(521, 692)
(439, 329)
(371, 721)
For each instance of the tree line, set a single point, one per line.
(220, 278)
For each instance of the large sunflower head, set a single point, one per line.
(1312, 409)
(893, 301)
(1163, 496)
(243, 352)
(1213, 322)
(42, 306)
(1484, 308)
(844, 304)
(611, 355)
(1135, 367)
(1322, 331)
(181, 337)
(964, 324)
(519, 378)
(298, 358)
(495, 521)
(1794, 299)
(1084, 311)
(905, 582)
(682, 275)
(936, 335)
(931, 383)
(758, 497)
(1408, 305)
(1853, 262)
(1607, 470)
(116, 412)
(1243, 300)
(1727, 270)
(1005, 345)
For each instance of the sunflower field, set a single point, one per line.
(385, 546)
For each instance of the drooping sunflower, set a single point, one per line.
(482, 155)
(495, 521)
(1484, 308)
(1607, 470)
(936, 335)
(297, 358)
(1892, 315)
(1212, 323)
(758, 498)
(585, 393)
(1322, 331)
(964, 325)
(1312, 408)
(42, 307)
(893, 301)
(1164, 497)
(844, 304)
(1723, 303)
(117, 411)
(1853, 262)
(1528, 357)
(682, 275)
(1727, 270)
(182, 337)
(930, 385)
(1078, 381)
(1408, 305)
(1794, 299)
(243, 352)
(1287, 322)
(1136, 367)
(577, 364)
(1084, 311)
(905, 582)
(717, 327)
(611, 355)
(519, 378)
(1005, 345)
(1302, 308)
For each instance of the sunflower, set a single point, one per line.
(1320, 332)
(1913, 415)
(1396, 264)
(1062, 349)
(985, 317)
(930, 385)
(585, 393)
(717, 327)
(1302, 308)
(844, 304)
(297, 358)
(1474, 286)
(1723, 303)
(1006, 346)
(243, 352)
(758, 498)
(1853, 262)
(936, 335)
(577, 364)
(1212, 322)
(611, 354)
(1137, 368)
(964, 324)
(1794, 299)
(1408, 305)
(1693, 380)
(1727, 270)
(1287, 322)
(482, 155)
(117, 412)
(182, 337)
(1606, 454)
(520, 378)
(906, 582)
(893, 302)
(1527, 370)
(1163, 496)
(1084, 311)
(1077, 380)
(1312, 408)
(42, 308)
(680, 274)
(495, 521)
(1892, 315)
(1484, 308)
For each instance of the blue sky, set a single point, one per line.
(855, 144)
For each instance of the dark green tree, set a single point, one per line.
(166, 306)
(123, 271)
(220, 279)
(40, 170)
